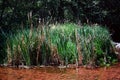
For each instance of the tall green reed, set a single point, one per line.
(58, 44)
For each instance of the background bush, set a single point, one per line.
(14, 13)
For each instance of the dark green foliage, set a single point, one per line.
(2, 47)
(13, 13)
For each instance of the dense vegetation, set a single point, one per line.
(26, 15)
(60, 44)
(15, 12)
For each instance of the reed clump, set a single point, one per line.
(60, 44)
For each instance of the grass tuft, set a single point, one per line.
(60, 44)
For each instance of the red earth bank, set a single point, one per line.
(52, 73)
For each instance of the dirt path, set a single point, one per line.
(51, 73)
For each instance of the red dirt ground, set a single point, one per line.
(52, 73)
